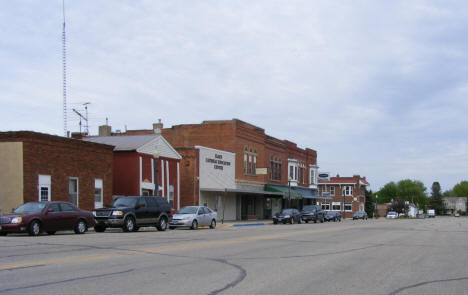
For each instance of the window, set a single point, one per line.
(275, 168)
(348, 190)
(73, 190)
(44, 188)
(67, 207)
(250, 161)
(98, 193)
(312, 176)
(324, 190)
(171, 196)
(332, 190)
(54, 207)
(291, 172)
(348, 207)
(336, 206)
(325, 206)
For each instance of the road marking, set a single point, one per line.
(171, 248)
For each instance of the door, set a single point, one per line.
(68, 216)
(141, 212)
(201, 216)
(52, 218)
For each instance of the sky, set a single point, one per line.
(377, 88)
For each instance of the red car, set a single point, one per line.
(49, 217)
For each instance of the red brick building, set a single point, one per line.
(42, 167)
(143, 165)
(347, 194)
(264, 168)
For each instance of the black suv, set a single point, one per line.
(312, 213)
(131, 213)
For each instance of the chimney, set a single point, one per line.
(157, 127)
(105, 130)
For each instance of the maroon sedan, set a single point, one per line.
(37, 217)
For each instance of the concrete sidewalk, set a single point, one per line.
(242, 223)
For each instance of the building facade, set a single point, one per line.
(42, 167)
(144, 165)
(348, 194)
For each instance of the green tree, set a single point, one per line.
(370, 203)
(388, 193)
(460, 189)
(408, 190)
(436, 201)
(399, 206)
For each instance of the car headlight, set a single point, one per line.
(117, 213)
(94, 213)
(16, 220)
(286, 216)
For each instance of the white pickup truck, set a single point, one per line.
(431, 213)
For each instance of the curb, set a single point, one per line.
(248, 224)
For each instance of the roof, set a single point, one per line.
(145, 144)
(345, 180)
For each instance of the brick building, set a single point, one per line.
(347, 194)
(42, 167)
(264, 167)
(143, 164)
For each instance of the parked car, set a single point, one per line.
(287, 216)
(332, 215)
(431, 213)
(312, 213)
(131, 213)
(194, 216)
(360, 215)
(37, 217)
(392, 215)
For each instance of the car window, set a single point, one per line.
(67, 207)
(141, 203)
(54, 207)
(201, 211)
(151, 201)
(207, 210)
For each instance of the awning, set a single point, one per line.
(309, 193)
(241, 190)
(286, 191)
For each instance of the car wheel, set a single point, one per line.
(213, 224)
(321, 220)
(194, 225)
(275, 222)
(34, 228)
(129, 224)
(80, 227)
(306, 221)
(315, 220)
(299, 221)
(162, 224)
(99, 229)
(3, 234)
(51, 232)
(136, 228)
(171, 227)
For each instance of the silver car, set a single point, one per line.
(193, 217)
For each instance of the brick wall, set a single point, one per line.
(62, 158)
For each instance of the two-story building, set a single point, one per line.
(348, 194)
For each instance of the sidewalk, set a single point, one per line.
(242, 223)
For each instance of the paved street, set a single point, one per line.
(352, 257)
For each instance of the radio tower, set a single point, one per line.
(64, 63)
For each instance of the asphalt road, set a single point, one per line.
(352, 257)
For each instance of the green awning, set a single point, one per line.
(286, 191)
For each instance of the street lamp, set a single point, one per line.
(289, 190)
(343, 192)
(155, 167)
(375, 211)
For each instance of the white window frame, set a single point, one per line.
(98, 184)
(336, 204)
(77, 190)
(44, 181)
(348, 190)
(326, 206)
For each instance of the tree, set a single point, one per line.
(399, 206)
(460, 189)
(370, 204)
(436, 201)
(388, 193)
(413, 191)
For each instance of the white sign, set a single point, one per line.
(261, 171)
(217, 168)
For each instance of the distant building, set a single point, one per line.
(43, 167)
(347, 193)
(454, 204)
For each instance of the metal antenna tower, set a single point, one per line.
(64, 63)
(86, 109)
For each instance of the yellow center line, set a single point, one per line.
(171, 248)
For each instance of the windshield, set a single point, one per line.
(124, 202)
(30, 207)
(287, 212)
(188, 210)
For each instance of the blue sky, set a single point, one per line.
(378, 88)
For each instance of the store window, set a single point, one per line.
(336, 206)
